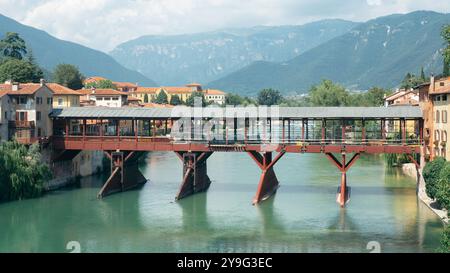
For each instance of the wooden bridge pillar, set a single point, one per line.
(195, 176)
(125, 174)
(343, 192)
(268, 182)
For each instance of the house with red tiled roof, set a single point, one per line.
(25, 109)
(121, 86)
(104, 97)
(215, 96)
(64, 96)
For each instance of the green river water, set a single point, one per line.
(302, 217)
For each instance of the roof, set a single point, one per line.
(102, 92)
(156, 105)
(94, 79)
(399, 94)
(214, 92)
(146, 90)
(133, 99)
(2, 93)
(125, 84)
(177, 89)
(411, 112)
(24, 88)
(194, 84)
(59, 89)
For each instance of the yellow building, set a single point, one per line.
(63, 96)
(435, 103)
(183, 92)
(440, 95)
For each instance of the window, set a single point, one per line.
(438, 115)
(444, 116)
(21, 100)
(444, 136)
(115, 98)
(436, 135)
(441, 83)
(49, 101)
(22, 116)
(60, 102)
(38, 100)
(444, 97)
(100, 98)
(39, 132)
(6, 114)
(38, 115)
(107, 98)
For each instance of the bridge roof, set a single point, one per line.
(410, 112)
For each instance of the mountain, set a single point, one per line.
(203, 57)
(376, 53)
(50, 51)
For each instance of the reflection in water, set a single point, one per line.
(302, 217)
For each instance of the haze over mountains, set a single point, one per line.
(292, 58)
(377, 53)
(50, 51)
(204, 57)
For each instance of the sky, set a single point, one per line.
(103, 24)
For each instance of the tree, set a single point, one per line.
(175, 100)
(68, 75)
(161, 98)
(12, 46)
(431, 174)
(445, 33)
(191, 99)
(22, 173)
(445, 241)
(443, 187)
(234, 99)
(20, 71)
(328, 94)
(411, 81)
(423, 78)
(375, 96)
(102, 84)
(269, 97)
(146, 98)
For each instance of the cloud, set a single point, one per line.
(102, 24)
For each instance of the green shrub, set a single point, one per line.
(431, 174)
(445, 241)
(443, 187)
(22, 173)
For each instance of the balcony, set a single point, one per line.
(21, 124)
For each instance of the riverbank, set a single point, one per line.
(410, 169)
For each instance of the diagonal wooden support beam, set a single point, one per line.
(352, 161)
(334, 160)
(275, 160)
(258, 158)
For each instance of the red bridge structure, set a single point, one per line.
(342, 134)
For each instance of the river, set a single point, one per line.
(302, 217)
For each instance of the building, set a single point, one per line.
(402, 97)
(121, 86)
(103, 97)
(145, 94)
(25, 110)
(434, 101)
(148, 94)
(215, 96)
(64, 96)
(126, 86)
(5, 113)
